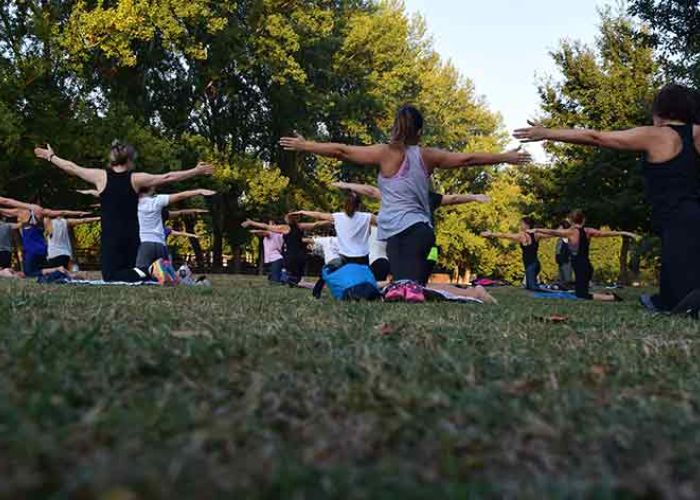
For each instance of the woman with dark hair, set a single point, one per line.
(530, 247)
(671, 163)
(404, 181)
(294, 248)
(118, 189)
(352, 228)
(579, 238)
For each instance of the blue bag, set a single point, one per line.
(351, 282)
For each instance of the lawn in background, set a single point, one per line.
(263, 391)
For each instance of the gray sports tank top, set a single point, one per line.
(405, 200)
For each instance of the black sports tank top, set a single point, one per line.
(584, 245)
(530, 251)
(119, 203)
(672, 182)
(294, 242)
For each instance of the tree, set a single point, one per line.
(675, 31)
(464, 251)
(607, 87)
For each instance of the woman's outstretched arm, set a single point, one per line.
(439, 158)
(359, 155)
(187, 235)
(188, 211)
(186, 195)
(551, 233)
(636, 139)
(517, 237)
(314, 215)
(47, 212)
(361, 189)
(461, 199)
(95, 176)
(281, 229)
(597, 233)
(142, 180)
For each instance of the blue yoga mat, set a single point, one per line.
(555, 295)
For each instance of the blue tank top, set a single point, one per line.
(405, 199)
(33, 241)
(672, 182)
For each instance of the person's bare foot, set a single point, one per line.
(485, 296)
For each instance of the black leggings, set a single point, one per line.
(363, 261)
(408, 252)
(118, 261)
(294, 265)
(680, 265)
(380, 269)
(583, 272)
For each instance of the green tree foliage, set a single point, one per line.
(675, 31)
(464, 251)
(222, 81)
(609, 86)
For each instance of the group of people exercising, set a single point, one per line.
(133, 233)
(400, 240)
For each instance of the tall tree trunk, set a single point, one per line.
(261, 256)
(237, 264)
(624, 276)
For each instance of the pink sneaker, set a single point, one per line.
(396, 293)
(414, 293)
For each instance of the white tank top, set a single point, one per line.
(377, 248)
(353, 233)
(59, 239)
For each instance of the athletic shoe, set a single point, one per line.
(395, 293)
(414, 293)
(162, 271)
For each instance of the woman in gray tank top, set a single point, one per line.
(404, 173)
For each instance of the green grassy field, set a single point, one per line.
(264, 392)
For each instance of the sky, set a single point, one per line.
(503, 45)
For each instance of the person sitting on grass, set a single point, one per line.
(60, 248)
(378, 256)
(153, 249)
(294, 251)
(352, 228)
(670, 149)
(529, 245)
(273, 246)
(118, 187)
(563, 259)
(579, 238)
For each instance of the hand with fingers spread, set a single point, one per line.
(536, 132)
(44, 153)
(517, 156)
(205, 169)
(295, 143)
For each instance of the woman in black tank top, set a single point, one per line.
(671, 163)
(294, 250)
(118, 189)
(529, 245)
(579, 238)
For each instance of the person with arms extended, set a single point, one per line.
(670, 150)
(405, 168)
(118, 187)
